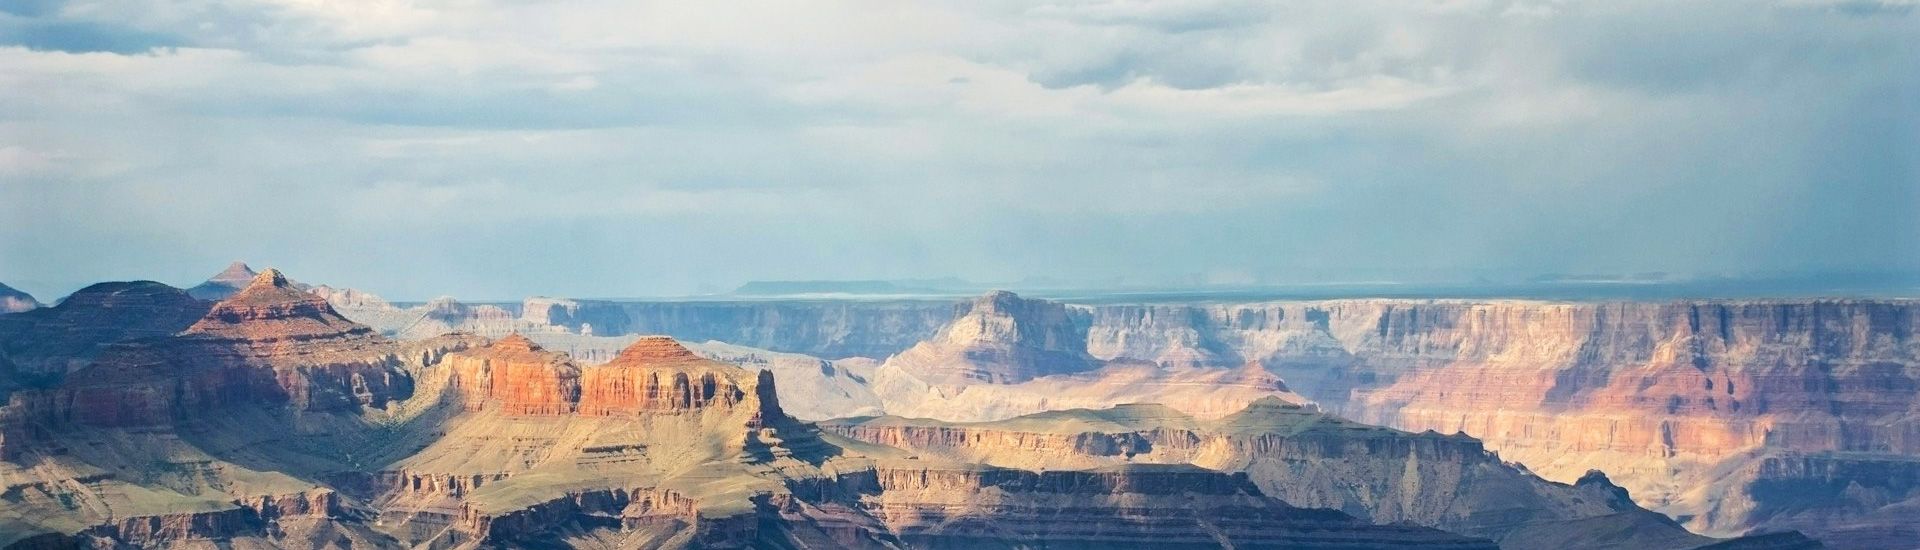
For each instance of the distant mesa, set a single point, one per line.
(14, 301)
(1002, 338)
(947, 286)
(777, 288)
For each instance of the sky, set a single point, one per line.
(497, 149)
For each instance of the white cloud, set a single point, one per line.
(1409, 134)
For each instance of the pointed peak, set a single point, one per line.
(654, 349)
(236, 271)
(271, 277)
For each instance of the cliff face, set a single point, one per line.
(1662, 395)
(1135, 506)
(1001, 339)
(657, 374)
(1303, 457)
(516, 376)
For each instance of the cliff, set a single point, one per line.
(1001, 339)
(1666, 397)
(516, 376)
(1303, 457)
(1130, 506)
(657, 374)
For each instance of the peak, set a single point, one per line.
(270, 277)
(654, 349)
(235, 272)
(515, 342)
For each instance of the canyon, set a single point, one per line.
(273, 421)
(301, 416)
(1728, 415)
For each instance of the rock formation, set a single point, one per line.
(1668, 398)
(657, 374)
(223, 284)
(1001, 339)
(47, 343)
(516, 376)
(272, 421)
(1308, 459)
(14, 301)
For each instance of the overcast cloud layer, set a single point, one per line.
(620, 148)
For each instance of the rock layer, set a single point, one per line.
(516, 376)
(1001, 339)
(1305, 458)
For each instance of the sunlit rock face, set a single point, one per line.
(657, 374)
(516, 376)
(1666, 397)
(1002, 339)
(1306, 458)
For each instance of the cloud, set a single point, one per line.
(1081, 140)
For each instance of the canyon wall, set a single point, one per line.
(1666, 397)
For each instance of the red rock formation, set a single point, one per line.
(657, 374)
(517, 377)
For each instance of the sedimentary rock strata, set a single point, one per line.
(1666, 397)
(1302, 457)
(1001, 339)
(272, 421)
(516, 376)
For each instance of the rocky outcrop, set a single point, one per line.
(517, 377)
(1305, 458)
(657, 374)
(1001, 339)
(267, 344)
(348, 298)
(1133, 506)
(1663, 396)
(14, 301)
(47, 343)
(223, 284)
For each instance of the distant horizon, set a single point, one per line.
(1586, 287)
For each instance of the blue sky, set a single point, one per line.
(618, 148)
